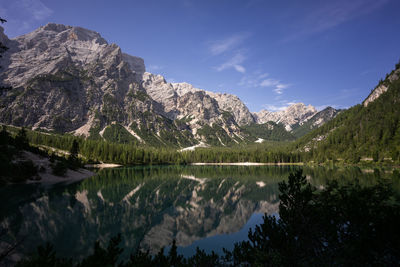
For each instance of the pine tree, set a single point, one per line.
(73, 153)
(21, 140)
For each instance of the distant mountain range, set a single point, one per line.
(70, 80)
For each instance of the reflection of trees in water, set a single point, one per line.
(151, 205)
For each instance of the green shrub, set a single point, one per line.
(59, 168)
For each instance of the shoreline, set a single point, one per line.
(71, 176)
(103, 165)
(245, 164)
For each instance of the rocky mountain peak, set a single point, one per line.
(300, 108)
(74, 33)
(56, 47)
(382, 87)
(290, 116)
(135, 63)
(184, 88)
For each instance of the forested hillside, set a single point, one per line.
(365, 132)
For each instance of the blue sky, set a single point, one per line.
(269, 53)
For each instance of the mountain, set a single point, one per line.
(292, 115)
(317, 120)
(368, 131)
(204, 112)
(298, 119)
(226, 102)
(70, 80)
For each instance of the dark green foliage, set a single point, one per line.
(104, 256)
(59, 168)
(4, 136)
(23, 170)
(3, 48)
(371, 131)
(21, 140)
(74, 161)
(269, 131)
(141, 96)
(73, 153)
(45, 256)
(215, 135)
(341, 225)
(12, 170)
(117, 134)
(131, 154)
(15, 168)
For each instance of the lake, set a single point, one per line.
(209, 207)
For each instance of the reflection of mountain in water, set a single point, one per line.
(150, 206)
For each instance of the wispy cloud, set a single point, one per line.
(253, 80)
(279, 106)
(22, 15)
(332, 14)
(259, 81)
(235, 62)
(220, 46)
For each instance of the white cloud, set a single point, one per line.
(277, 85)
(221, 46)
(269, 82)
(235, 63)
(257, 80)
(279, 88)
(280, 105)
(239, 68)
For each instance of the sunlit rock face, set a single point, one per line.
(197, 107)
(295, 114)
(55, 47)
(381, 88)
(69, 79)
(226, 102)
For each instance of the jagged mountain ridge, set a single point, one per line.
(295, 114)
(72, 80)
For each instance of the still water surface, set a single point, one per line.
(199, 206)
